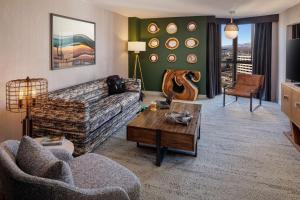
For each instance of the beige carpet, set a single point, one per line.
(241, 155)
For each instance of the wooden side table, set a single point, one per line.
(66, 145)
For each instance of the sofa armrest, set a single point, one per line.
(133, 85)
(62, 154)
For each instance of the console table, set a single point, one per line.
(290, 105)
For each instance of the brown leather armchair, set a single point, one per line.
(247, 86)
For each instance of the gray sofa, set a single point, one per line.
(95, 177)
(86, 114)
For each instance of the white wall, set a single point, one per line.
(288, 17)
(24, 49)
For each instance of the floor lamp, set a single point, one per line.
(24, 94)
(137, 47)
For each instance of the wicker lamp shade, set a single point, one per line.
(24, 94)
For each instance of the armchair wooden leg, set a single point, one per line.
(251, 102)
(260, 98)
(236, 98)
(224, 98)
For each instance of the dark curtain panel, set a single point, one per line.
(262, 55)
(213, 60)
(296, 31)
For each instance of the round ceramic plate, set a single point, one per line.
(191, 43)
(172, 58)
(192, 26)
(153, 28)
(191, 58)
(172, 43)
(153, 43)
(153, 58)
(171, 28)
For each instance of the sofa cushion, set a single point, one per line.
(102, 111)
(36, 160)
(95, 171)
(126, 99)
(84, 92)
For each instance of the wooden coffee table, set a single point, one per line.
(151, 127)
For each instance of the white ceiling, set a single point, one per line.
(176, 8)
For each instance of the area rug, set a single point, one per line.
(241, 155)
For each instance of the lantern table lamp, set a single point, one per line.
(24, 94)
(137, 47)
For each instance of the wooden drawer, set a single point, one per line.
(141, 135)
(296, 108)
(286, 100)
(179, 141)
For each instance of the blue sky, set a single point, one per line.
(243, 37)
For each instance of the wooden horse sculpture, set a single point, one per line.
(179, 83)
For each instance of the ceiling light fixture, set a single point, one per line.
(231, 29)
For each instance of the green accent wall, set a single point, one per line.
(153, 72)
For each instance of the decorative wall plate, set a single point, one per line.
(153, 28)
(153, 58)
(172, 58)
(191, 58)
(172, 43)
(171, 28)
(192, 26)
(153, 43)
(191, 42)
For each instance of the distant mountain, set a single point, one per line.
(242, 49)
(244, 46)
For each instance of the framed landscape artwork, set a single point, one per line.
(72, 42)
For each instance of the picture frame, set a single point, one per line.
(191, 58)
(171, 28)
(72, 42)
(172, 58)
(153, 43)
(153, 28)
(192, 26)
(172, 43)
(153, 57)
(191, 43)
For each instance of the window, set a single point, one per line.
(236, 54)
(244, 49)
(227, 68)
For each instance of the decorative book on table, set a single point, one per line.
(52, 140)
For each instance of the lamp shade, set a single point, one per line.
(136, 46)
(231, 31)
(24, 93)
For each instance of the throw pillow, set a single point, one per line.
(36, 160)
(115, 84)
(60, 171)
